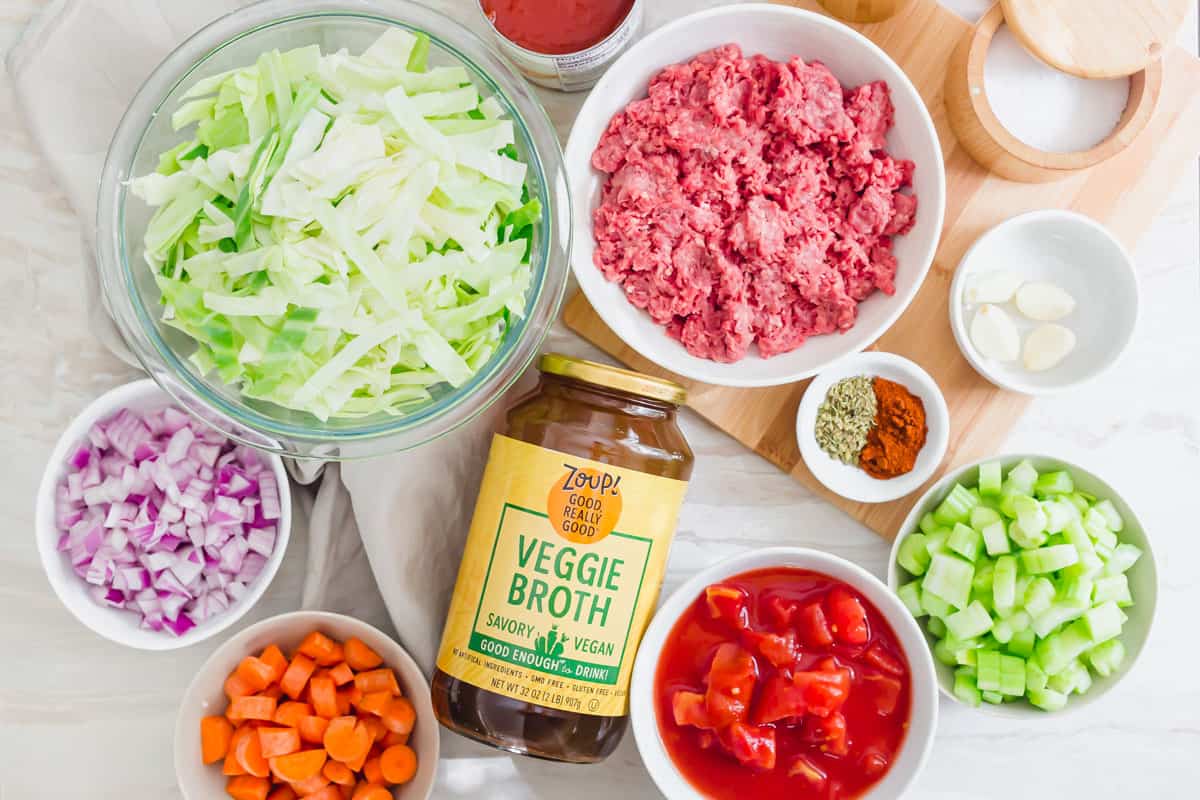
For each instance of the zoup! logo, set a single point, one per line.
(585, 504)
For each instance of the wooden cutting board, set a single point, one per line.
(1125, 193)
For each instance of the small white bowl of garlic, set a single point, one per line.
(1044, 301)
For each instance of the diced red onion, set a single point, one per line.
(166, 518)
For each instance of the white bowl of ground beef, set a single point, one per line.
(759, 191)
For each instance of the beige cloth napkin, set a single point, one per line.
(75, 70)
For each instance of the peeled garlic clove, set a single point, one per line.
(1044, 302)
(1046, 346)
(994, 334)
(992, 287)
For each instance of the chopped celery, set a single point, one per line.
(982, 582)
(1076, 591)
(1106, 658)
(1080, 502)
(982, 516)
(1074, 679)
(1048, 699)
(949, 577)
(965, 656)
(935, 542)
(913, 556)
(972, 621)
(936, 627)
(1039, 596)
(995, 698)
(1115, 523)
(1054, 483)
(934, 605)
(1095, 522)
(1112, 587)
(995, 538)
(1030, 515)
(928, 523)
(1104, 538)
(956, 507)
(1022, 642)
(1023, 476)
(989, 478)
(943, 653)
(910, 595)
(987, 670)
(1012, 676)
(1056, 616)
(1004, 585)
(1103, 622)
(1002, 631)
(1007, 498)
(965, 541)
(1056, 652)
(1035, 677)
(1059, 514)
(1020, 620)
(1048, 559)
(1023, 538)
(965, 688)
(1124, 556)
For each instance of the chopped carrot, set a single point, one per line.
(310, 786)
(317, 646)
(255, 672)
(377, 680)
(248, 753)
(247, 787)
(312, 729)
(290, 713)
(339, 773)
(359, 656)
(393, 739)
(295, 678)
(398, 764)
(296, 767)
(371, 770)
(323, 696)
(283, 792)
(252, 707)
(400, 716)
(348, 740)
(277, 660)
(232, 765)
(343, 702)
(371, 791)
(375, 726)
(335, 656)
(215, 733)
(341, 674)
(374, 702)
(236, 686)
(328, 792)
(278, 741)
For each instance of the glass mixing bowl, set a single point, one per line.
(145, 131)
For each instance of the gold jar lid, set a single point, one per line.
(623, 380)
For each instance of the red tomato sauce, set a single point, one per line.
(782, 683)
(556, 27)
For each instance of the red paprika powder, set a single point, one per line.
(898, 434)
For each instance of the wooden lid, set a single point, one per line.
(1096, 38)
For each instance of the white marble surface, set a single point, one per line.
(82, 718)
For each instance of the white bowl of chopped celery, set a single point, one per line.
(335, 228)
(1033, 580)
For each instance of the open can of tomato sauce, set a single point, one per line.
(563, 563)
(563, 44)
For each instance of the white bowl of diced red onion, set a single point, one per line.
(155, 530)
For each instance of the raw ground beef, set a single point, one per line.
(750, 200)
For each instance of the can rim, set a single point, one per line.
(554, 56)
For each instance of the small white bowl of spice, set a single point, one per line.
(1044, 302)
(873, 427)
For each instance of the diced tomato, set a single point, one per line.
(881, 659)
(873, 761)
(752, 745)
(728, 603)
(820, 692)
(814, 776)
(689, 709)
(731, 681)
(779, 612)
(779, 649)
(885, 690)
(827, 733)
(707, 739)
(847, 617)
(813, 627)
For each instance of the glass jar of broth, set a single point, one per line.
(563, 563)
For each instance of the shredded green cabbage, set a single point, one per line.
(342, 233)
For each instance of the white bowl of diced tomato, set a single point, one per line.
(784, 672)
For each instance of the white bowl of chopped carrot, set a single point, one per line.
(308, 704)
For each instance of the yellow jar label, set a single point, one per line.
(561, 573)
